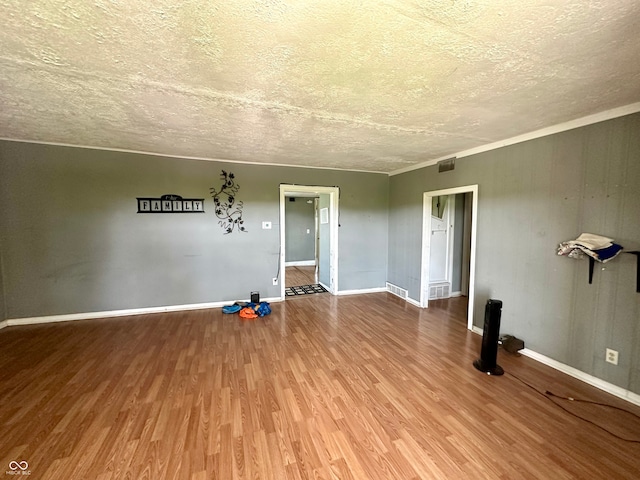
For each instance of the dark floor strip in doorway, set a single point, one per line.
(304, 290)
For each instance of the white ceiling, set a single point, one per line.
(365, 85)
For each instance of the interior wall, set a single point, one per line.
(3, 309)
(3, 306)
(300, 230)
(531, 196)
(72, 241)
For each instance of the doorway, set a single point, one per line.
(326, 238)
(302, 239)
(438, 232)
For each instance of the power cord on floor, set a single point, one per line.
(550, 395)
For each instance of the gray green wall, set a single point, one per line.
(532, 196)
(3, 310)
(72, 241)
(300, 217)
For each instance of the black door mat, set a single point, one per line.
(304, 290)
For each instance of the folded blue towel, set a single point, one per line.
(607, 253)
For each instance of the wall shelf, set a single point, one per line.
(592, 263)
(637, 254)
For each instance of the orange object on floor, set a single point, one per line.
(249, 313)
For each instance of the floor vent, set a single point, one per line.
(400, 292)
(439, 290)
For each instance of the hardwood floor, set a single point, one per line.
(296, 276)
(353, 387)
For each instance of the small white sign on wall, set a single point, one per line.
(324, 215)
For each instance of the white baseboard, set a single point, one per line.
(585, 377)
(455, 294)
(301, 263)
(362, 291)
(619, 392)
(571, 371)
(120, 313)
(413, 302)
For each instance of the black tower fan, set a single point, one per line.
(487, 362)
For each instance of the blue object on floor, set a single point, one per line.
(235, 308)
(263, 309)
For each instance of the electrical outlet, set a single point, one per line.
(275, 280)
(611, 356)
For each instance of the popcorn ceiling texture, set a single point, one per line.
(362, 85)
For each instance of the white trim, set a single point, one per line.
(325, 286)
(362, 291)
(185, 157)
(561, 127)
(455, 294)
(571, 371)
(600, 384)
(585, 377)
(466, 244)
(413, 302)
(334, 197)
(425, 251)
(543, 132)
(301, 263)
(120, 313)
(426, 245)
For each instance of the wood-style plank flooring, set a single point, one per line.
(353, 387)
(296, 276)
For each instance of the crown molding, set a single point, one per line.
(543, 132)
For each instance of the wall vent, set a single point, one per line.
(396, 290)
(447, 165)
(439, 290)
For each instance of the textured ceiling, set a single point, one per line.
(366, 85)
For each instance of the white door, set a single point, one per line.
(440, 233)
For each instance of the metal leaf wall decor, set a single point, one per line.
(227, 209)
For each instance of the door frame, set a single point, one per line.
(334, 197)
(426, 245)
